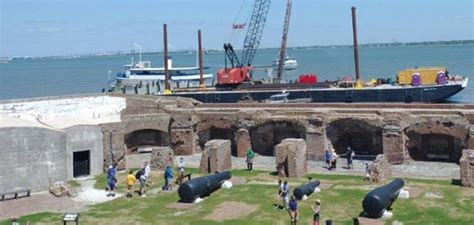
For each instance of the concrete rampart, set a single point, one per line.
(31, 158)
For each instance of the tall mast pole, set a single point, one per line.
(356, 47)
(165, 52)
(201, 69)
(286, 26)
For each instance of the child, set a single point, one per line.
(293, 209)
(130, 182)
(316, 210)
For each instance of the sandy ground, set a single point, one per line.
(44, 201)
(231, 210)
(87, 194)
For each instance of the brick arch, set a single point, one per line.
(146, 137)
(214, 127)
(440, 141)
(264, 136)
(213, 132)
(365, 138)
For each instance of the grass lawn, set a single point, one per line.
(439, 203)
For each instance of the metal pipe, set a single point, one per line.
(165, 52)
(356, 47)
(201, 69)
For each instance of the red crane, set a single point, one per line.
(239, 71)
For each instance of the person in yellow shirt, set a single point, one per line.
(130, 182)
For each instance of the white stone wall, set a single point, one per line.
(66, 112)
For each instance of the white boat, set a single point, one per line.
(5, 59)
(144, 72)
(290, 63)
(283, 98)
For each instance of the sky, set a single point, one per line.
(65, 27)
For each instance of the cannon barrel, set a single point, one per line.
(378, 200)
(305, 189)
(201, 186)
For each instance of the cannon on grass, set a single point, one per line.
(306, 189)
(377, 201)
(201, 186)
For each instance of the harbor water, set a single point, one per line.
(24, 78)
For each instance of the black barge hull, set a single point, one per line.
(434, 93)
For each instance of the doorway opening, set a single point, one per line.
(81, 163)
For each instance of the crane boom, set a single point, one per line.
(255, 30)
(284, 38)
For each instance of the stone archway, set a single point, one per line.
(438, 142)
(364, 138)
(264, 137)
(146, 137)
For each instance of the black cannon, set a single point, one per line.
(378, 200)
(305, 189)
(201, 186)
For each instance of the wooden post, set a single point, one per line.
(165, 52)
(356, 47)
(201, 69)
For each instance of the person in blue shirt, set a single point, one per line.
(168, 178)
(111, 176)
(293, 210)
(328, 158)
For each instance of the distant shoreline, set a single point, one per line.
(368, 45)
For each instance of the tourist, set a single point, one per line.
(284, 194)
(147, 170)
(181, 168)
(250, 158)
(112, 184)
(280, 190)
(140, 176)
(293, 210)
(349, 156)
(316, 210)
(142, 184)
(367, 176)
(130, 182)
(328, 158)
(333, 159)
(168, 178)
(111, 172)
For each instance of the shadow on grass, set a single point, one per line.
(273, 173)
(456, 182)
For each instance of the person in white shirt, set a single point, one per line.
(181, 166)
(147, 169)
(334, 159)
